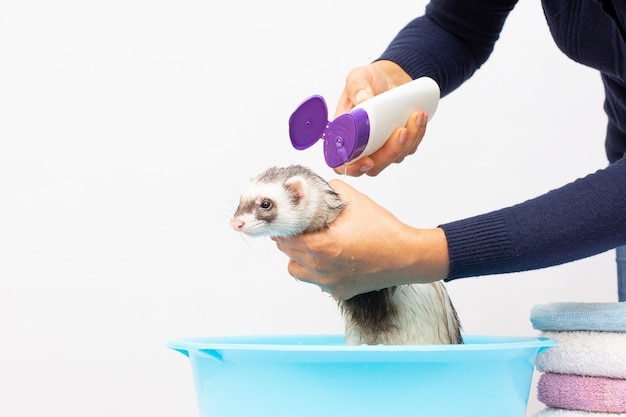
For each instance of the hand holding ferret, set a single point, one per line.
(355, 255)
(363, 83)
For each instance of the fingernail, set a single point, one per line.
(421, 119)
(402, 137)
(361, 96)
(366, 167)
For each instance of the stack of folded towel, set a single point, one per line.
(585, 374)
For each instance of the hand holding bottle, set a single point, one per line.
(363, 83)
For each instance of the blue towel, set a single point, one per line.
(570, 316)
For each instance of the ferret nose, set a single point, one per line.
(237, 224)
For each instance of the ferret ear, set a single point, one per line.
(296, 186)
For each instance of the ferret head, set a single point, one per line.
(277, 205)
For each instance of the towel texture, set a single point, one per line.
(558, 412)
(569, 316)
(585, 353)
(586, 393)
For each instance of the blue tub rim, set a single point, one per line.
(331, 347)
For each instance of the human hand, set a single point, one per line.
(357, 255)
(363, 83)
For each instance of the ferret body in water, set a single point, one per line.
(282, 202)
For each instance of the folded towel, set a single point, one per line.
(585, 353)
(587, 393)
(559, 412)
(567, 316)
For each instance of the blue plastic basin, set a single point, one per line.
(319, 376)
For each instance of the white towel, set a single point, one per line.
(585, 353)
(561, 412)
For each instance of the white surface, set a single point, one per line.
(128, 129)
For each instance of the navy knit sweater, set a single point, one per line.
(583, 218)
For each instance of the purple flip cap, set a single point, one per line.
(344, 138)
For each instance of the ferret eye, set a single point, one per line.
(266, 204)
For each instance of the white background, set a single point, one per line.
(128, 129)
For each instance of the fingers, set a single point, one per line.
(296, 270)
(292, 248)
(296, 267)
(297, 259)
(402, 142)
(421, 122)
(416, 129)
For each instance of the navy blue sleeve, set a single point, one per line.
(580, 219)
(583, 218)
(450, 41)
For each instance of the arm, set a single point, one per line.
(356, 255)
(580, 219)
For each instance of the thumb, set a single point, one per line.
(362, 95)
(346, 192)
(358, 88)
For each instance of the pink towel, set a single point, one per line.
(587, 393)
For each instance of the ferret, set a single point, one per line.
(287, 201)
